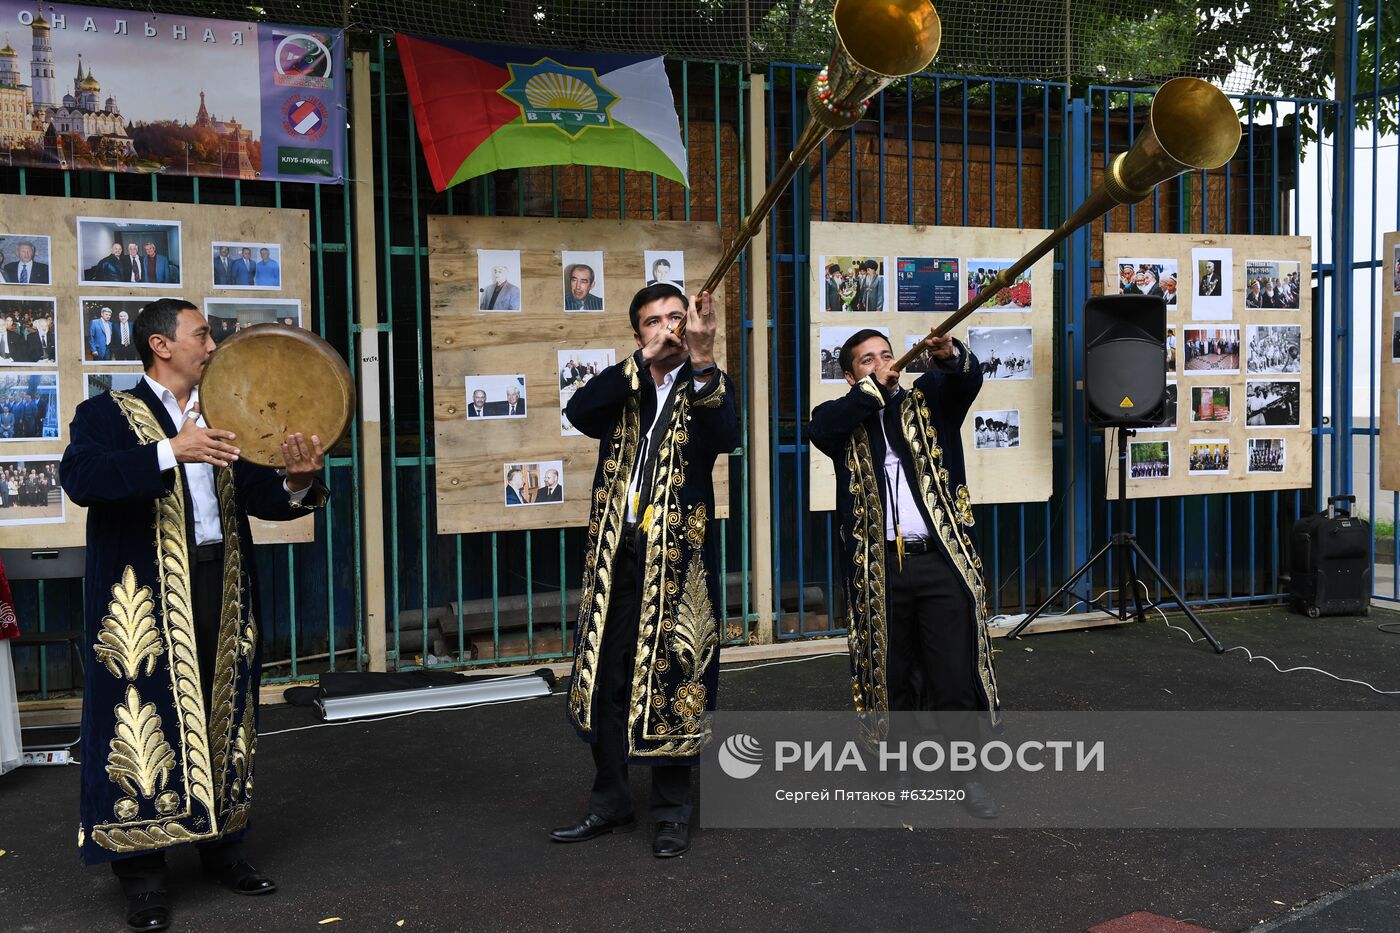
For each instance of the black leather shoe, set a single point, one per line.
(148, 912)
(242, 878)
(591, 827)
(979, 801)
(671, 839)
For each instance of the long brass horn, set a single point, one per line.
(1192, 126)
(877, 41)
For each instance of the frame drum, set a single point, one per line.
(271, 380)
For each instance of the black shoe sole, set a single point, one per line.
(670, 854)
(620, 828)
(262, 892)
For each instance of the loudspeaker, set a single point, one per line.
(1125, 360)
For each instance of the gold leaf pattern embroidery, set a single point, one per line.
(140, 760)
(695, 637)
(867, 626)
(129, 639)
(226, 653)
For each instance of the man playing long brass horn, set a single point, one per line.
(915, 594)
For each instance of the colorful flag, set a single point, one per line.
(481, 108)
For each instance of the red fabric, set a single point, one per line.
(455, 102)
(9, 625)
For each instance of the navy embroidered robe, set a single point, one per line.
(676, 675)
(924, 425)
(158, 769)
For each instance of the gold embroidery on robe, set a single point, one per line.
(140, 760)
(867, 627)
(129, 639)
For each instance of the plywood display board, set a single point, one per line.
(72, 275)
(1390, 363)
(500, 287)
(1239, 361)
(923, 275)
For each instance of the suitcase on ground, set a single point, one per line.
(1331, 562)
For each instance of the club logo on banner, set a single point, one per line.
(550, 94)
(307, 117)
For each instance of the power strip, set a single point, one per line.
(60, 756)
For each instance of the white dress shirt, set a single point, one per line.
(903, 504)
(663, 393)
(204, 498)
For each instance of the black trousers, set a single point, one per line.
(141, 874)
(670, 784)
(932, 642)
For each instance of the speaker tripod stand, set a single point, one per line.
(1129, 557)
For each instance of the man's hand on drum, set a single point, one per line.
(203, 445)
(304, 459)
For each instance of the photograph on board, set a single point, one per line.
(1015, 297)
(27, 334)
(1214, 350)
(854, 283)
(227, 316)
(1004, 352)
(129, 253)
(996, 430)
(1213, 291)
(583, 280)
(239, 265)
(97, 383)
(28, 406)
(492, 398)
(538, 483)
(1208, 456)
(576, 369)
(1153, 277)
(665, 267)
(1267, 455)
(1272, 403)
(498, 279)
(926, 283)
(1149, 460)
(1271, 284)
(29, 491)
(1210, 404)
(1273, 348)
(24, 259)
(109, 328)
(829, 343)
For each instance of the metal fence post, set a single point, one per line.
(1078, 438)
(759, 441)
(1344, 242)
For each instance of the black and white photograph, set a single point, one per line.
(129, 253)
(539, 483)
(1266, 455)
(1171, 350)
(24, 259)
(665, 267)
(1214, 350)
(1213, 289)
(1271, 284)
(246, 265)
(1273, 348)
(1149, 460)
(1210, 455)
(491, 398)
(109, 328)
(1272, 403)
(29, 491)
(854, 284)
(996, 430)
(227, 316)
(27, 335)
(582, 279)
(576, 369)
(1004, 352)
(1210, 404)
(28, 406)
(1154, 277)
(498, 279)
(97, 383)
(1168, 409)
(921, 363)
(829, 349)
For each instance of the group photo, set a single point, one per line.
(27, 333)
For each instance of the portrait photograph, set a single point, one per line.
(1004, 352)
(829, 342)
(1214, 350)
(1213, 289)
(27, 334)
(576, 369)
(495, 397)
(854, 284)
(539, 483)
(996, 430)
(1168, 411)
(1267, 455)
(129, 253)
(665, 267)
(1272, 403)
(30, 493)
(248, 266)
(582, 279)
(1272, 285)
(926, 283)
(109, 328)
(1210, 404)
(25, 260)
(1171, 350)
(28, 406)
(498, 279)
(1274, 348)
(97, 383)
(1208, 456)
(1016, 297)
(1149, 460)
(227, 316)
(1152, 277)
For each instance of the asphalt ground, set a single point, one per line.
(440, 819)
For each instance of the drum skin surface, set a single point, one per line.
(270, 380)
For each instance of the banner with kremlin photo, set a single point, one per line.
(124, 91)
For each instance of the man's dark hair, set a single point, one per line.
(832, 269)
(569, 272)
(653, 293)
(161, 316)
(848, 349)
(871, 264)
